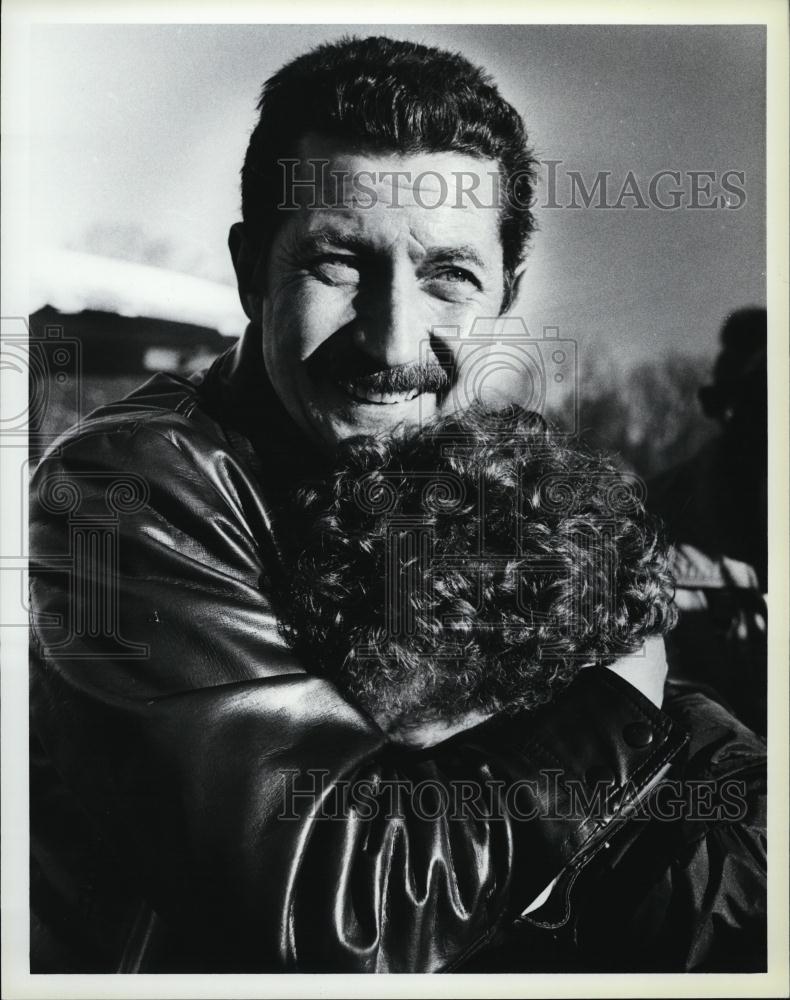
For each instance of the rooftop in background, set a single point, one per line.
(71, 282)
(108, 344)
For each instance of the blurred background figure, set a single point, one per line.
(715, 508)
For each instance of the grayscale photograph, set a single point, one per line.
(397, 514)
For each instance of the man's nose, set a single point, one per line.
(393, 322)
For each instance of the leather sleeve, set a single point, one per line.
(719, 864)
(684, 889)
(169, 705)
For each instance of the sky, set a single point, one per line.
(138, 133)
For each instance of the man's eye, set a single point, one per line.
(452, 282)
(336, 270)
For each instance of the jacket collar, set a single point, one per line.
(237, 391)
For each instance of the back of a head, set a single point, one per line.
(383, 94)
(739, 388)
(475, 567)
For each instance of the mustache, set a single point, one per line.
(402, 378)
(422, 376)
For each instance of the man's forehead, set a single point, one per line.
(372, 200)
(330, 172)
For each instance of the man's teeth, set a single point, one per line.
(382, 398)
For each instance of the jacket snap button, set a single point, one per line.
(600, 775)
(638, 734)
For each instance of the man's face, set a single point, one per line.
(355, 293)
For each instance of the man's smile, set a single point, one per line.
(396, 386)
(368, 396)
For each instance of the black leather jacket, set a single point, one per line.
(168, 718)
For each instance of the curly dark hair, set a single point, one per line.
(475, 566)
(385, 94)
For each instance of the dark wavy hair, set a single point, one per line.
(473, 567)
(382, 94)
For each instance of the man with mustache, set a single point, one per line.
(180, 747)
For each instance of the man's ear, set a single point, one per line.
(515, 288)
(245, 263)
